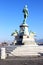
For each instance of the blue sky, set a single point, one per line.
(11, 17)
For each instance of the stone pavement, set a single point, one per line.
(22, 61)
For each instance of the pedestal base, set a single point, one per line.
(26, 50)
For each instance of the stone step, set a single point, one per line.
(25, 50)
(24, 54)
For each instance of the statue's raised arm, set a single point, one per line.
(25, 11)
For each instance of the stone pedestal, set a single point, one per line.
(24, 29)
(26, 50)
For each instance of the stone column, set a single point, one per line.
(3, 53)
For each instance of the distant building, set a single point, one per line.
(3, 44)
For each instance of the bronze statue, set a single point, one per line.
(25, 11)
